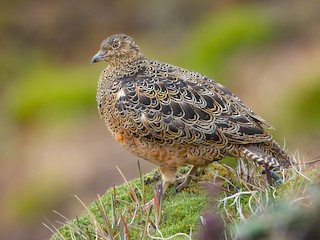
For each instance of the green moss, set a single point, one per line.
(237, 199)
(180, 212)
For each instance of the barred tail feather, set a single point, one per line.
(269, 153)
(278, 152)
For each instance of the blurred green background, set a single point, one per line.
(54, 145)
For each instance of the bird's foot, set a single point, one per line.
(277, 178)
(184, 180)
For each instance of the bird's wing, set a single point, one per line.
(165, 104)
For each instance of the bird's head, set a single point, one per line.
(118, 49)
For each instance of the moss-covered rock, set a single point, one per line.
(237, 196)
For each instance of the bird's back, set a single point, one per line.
(166, 104)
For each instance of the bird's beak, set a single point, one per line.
(98, 57)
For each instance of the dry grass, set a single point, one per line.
(237, 197)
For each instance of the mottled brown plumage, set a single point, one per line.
(172, 117)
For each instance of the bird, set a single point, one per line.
(174, 117)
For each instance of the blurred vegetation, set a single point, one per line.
(267, 51)
(219, 36)
(51, 92)
(303, 107)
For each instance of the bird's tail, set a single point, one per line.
(270, 153)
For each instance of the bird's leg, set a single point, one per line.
(268, 174)
(186, 178)
(168, 177)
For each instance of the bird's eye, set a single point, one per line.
(115, 44)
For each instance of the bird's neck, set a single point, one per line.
(123, 66)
